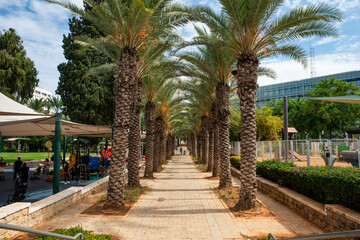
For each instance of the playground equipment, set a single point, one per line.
(72, 159)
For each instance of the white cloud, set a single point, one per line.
(325, 65)
(41, 26)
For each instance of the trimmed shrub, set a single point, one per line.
(235, 161)
(331, 185)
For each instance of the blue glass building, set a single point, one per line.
(299, 89)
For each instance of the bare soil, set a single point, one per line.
(230, 196)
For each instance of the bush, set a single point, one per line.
(10, 150)
(331, 185)
(88, 235)
(235, 161)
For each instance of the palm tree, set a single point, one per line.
(216, 63)
(37, 105)
(129, 27)
(54, 103)
(254, 31)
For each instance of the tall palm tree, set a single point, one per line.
(254, 30)
(215, 63)
(158, 73)
(129, 27)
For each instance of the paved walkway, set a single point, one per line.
(182, 206)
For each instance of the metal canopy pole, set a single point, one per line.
(57, 153)
(286, 128)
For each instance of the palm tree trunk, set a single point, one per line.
(211, 150)
(157, 144)
(134, 138)
(199, 146)
(205, 139)
(216, 165)
(193, 144)
(123, 89)
(163, 143)
(172, 146)
(223, 98)
(149, 151)
(247, 67)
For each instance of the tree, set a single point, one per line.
(86, 99)
(310, 117)
(268, 125)
(37, 105)
(128, 27)
(55, 104)
(18, 76)
(254, 31)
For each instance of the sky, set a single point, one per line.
(41, 26)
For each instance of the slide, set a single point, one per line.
(71, 165)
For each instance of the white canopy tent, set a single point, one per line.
(19, 120)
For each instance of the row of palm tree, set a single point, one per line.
(137, 37)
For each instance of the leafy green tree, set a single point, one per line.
(268, 125)
(18, 76)
(311, 117)
(86, 99)
(332, 116)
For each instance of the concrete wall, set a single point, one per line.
(29, 214)
(331, 217)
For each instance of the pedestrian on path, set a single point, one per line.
(17, 167)
(181, 152)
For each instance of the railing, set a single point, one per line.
(345, 234)
(35, 231)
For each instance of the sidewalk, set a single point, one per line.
(181, 205)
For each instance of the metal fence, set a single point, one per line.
(315, 152)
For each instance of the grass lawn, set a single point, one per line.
(12, 156)
(28, 156)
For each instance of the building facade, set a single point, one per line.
(41, 93)
(299, 89)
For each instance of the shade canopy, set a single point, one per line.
(11, 107)
(344, 99)
(45, 126)
(19, 120)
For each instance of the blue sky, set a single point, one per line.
(41, 26)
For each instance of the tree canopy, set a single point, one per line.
(18, 76)
(86, 99)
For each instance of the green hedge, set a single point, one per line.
(235, 161)
(332, 185)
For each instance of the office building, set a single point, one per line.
(299, 89)
(41, 93)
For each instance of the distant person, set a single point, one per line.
(184, 152)
(103, 151)
(2, 162)
(46, 168)
(53, 158)
(181, 152)
(24, 173)
(66, 173)
(17, 167)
